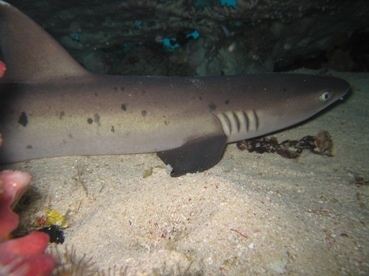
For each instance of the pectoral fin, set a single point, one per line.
(196, 155)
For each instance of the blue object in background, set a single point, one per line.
(195, 35)
(230, 3)
(199, 4)
(236, 24)
(172, 43)
(76, 37)
(138, 23)
(204, 3)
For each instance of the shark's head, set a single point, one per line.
(280, 101)
(315, 94)
(302, 97)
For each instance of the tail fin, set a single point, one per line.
(31, 54)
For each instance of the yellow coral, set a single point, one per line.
(56, 218)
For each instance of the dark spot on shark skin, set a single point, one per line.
(29, 147)
(122, 88)
(112, 129)
(90, 121)
(115, 88)
(200, 98)
(226, 102)
(23, 119)
(144, 113)
(96, 94)
(97, 119)
(70, 135)
(61, 115)
(123, 107)
(212, 106)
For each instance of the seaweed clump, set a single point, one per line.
(321, 144)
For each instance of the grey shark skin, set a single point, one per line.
(50, 106)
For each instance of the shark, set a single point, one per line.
(51, 106)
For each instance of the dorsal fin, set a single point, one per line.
(30, 53)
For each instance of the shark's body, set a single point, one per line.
(51, 106)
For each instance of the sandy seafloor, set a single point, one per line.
(250, 214)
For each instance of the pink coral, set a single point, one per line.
(25, 255)
(2, 68)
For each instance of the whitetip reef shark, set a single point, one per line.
(51, 106)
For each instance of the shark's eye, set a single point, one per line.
(325, 96)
